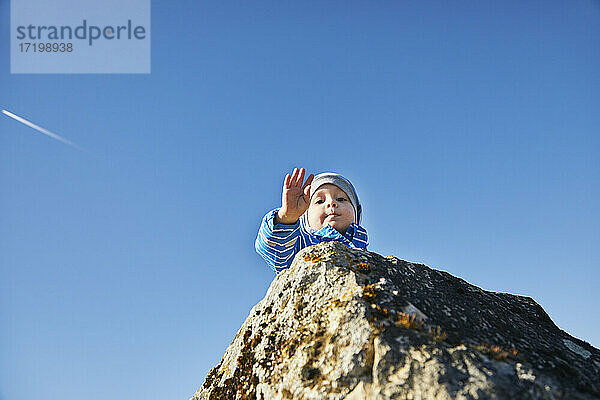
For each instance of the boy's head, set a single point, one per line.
(333, 201)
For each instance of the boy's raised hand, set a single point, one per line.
(295, 197)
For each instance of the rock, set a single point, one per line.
(351, 324)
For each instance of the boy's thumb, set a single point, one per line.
(307, 191)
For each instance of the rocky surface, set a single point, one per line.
(351, 324)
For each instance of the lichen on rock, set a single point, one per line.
(350, 324)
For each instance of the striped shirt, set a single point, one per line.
(279, 243)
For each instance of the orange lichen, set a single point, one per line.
(334, 303)
(363, 268)
(312, 257)
(344, 299)
(369, 292)
(438, 334)
(497, 351)
(381, 310)
(408, 321)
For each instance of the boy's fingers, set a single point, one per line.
(308, 181)
(286, 183)
(294, 177)
(300, 177)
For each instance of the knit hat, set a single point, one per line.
(342, 183)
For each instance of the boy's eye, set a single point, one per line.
(341, 199)
(318, 201)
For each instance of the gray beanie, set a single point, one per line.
(342, 183)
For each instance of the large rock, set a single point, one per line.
(351, 324)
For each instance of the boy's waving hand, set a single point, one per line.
(295, 197)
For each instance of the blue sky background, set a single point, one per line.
(470, 129)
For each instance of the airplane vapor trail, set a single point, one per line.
(40, 129)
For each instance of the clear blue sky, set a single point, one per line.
(470, 129)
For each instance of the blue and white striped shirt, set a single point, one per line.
(278, 244)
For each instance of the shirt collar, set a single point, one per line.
(329, 231)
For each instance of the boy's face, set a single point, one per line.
(330, 206)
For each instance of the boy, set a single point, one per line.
(322, 208)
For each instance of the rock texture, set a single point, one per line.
(351, 324)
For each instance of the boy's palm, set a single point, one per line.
(295, 197)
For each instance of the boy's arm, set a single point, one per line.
(277, 243)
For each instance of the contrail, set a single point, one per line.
(41, 130)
